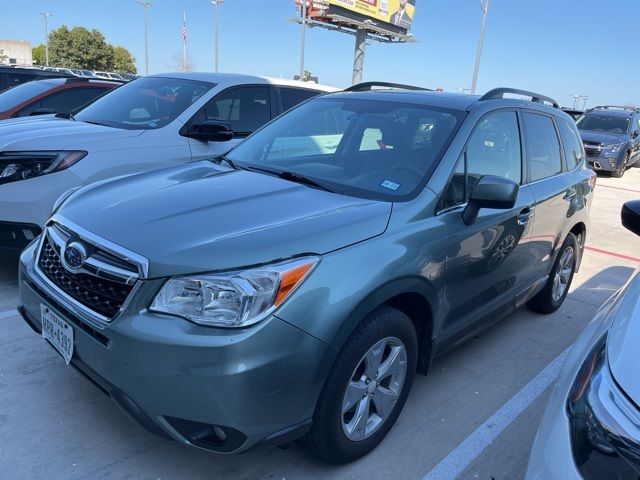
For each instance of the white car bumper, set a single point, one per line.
(27, 203)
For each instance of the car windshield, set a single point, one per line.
(371, 149)
(604, 123)
(144, 104)
(21, 93)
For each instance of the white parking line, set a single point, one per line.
(465, 453)
(8, 313)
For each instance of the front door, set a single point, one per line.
(489, 260)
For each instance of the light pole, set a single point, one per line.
(484, 5)
(217, 3)
(146, 6)
(46, 37)
(302, 40)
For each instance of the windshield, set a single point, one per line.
(144, 104)
(21, 93)
(604, 123)
(371, 149)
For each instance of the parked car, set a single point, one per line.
(10, 77)
(56, 95)
(573, 113)
(294, 286)
(611, 138)
(591, 427)
(149, 123)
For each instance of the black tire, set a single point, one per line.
(623, 168)
(327, 439)
(544, 301)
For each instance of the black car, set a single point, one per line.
(573, 113)
(610, 136)
(12, 76)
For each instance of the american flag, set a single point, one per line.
(184, 27)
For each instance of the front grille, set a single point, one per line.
(593, 149)
(100, 295)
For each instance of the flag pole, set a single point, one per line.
(184, 40)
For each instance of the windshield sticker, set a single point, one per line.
(390, 185)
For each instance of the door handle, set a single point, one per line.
(524, 215)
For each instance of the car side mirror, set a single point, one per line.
(635, 134)
(490, 192)
(630, 216)
(210, 131)
(42, 111)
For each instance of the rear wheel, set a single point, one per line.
(550, 298)
(366, 389)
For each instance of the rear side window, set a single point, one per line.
(65, 101)
(245, 108)
(572, 144)
(493, 149)
(293, 96)
(542, 145)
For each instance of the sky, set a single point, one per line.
(558, 48)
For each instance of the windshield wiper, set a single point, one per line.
(292, 177)
(95, 123)
(65, 115)
(226, 160)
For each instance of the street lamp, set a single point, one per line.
(46, 37)
(484, 5)
(217, 3)
(146, 6)
(302, 40)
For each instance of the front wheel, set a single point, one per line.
(550, 298)
(620, 171)
(366, 389)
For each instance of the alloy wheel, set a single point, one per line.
(563, 274)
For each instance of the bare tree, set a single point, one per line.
(180, 65)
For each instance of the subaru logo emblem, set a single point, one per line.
(74, 256)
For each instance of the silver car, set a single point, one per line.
(591, 427)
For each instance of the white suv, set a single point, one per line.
(146, 124)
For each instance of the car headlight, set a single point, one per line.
(16, 166)
(232, 299)
(614, 147)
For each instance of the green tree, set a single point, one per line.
(38, 54)
(123, 61)
(82, 48)
(3, 57)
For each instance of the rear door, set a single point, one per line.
(246, 108)
(554, 187)
(64, 101)
(487, 262)
(292, 96)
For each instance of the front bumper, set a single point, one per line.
(190, 382)
(604, 162)
(551, 455)
(27, 204)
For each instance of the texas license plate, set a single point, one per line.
(58, 332)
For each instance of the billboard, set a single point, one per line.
(399, 13)
(392, 16)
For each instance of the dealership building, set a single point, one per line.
(15, 52)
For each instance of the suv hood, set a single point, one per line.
(602, 137)
(52, 133)
(204, 217)
(622, 343)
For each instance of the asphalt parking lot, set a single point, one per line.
(474, 416)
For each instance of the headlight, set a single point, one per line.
(614, 147)
(232, 299)
(63, 198)
(16, 166)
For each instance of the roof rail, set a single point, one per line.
(88, 79)
(497, 93)
(367, 86)
(611, 107)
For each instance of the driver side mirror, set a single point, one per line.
(490, 192)
(210, 131)
(630, 216)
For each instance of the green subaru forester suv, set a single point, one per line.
(292, 288)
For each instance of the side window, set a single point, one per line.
(572, 144)
(543, 147)
(493, 149)
(246, 108)
(65, 101)
(293, 96)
